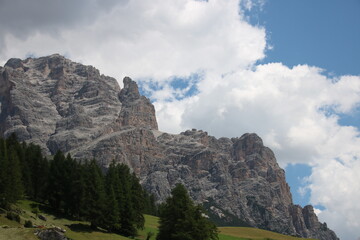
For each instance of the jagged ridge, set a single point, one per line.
(59, 104)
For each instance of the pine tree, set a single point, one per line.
(13, 187)
(180, 219)
(150, 205)
(96, 195)
(112, 220)
(76, 198)
(113, 198)
(3, 163)
(126, 209)
(56, 187)
(137, 198)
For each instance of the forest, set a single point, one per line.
(113, 200)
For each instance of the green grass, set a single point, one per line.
(251, 233)
(78, 230)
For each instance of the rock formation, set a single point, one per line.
(62, 105)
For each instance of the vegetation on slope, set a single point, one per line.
(114, 201)
(88, 204)
(81, 230)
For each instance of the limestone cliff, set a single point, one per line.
(62, 105)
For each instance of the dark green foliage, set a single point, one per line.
(95, 203)
(13, 216)
(115, 201)
(11, 185)
(56, 182)
(28, 224)
(149, 235)
(125, 189)
(150, 206)
(180, 219)
(35, 170)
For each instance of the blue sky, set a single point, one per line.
(288, 70)
(322, 33)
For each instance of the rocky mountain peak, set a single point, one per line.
(130, 92)
(63, 105)
(14, 63)
(59, 104)
(249, 143)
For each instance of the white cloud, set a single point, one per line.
(337, 186)
(152, 39)
(295, 110)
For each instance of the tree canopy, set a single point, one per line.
(113, 200)
(181, 219)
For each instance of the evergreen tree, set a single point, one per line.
(11, 182)
(112, 220)
(56, 187)
(35, 171)
(76, 199)
(96, 195)
(127, 215)
(137, 198)
(180, 219)
(150, 205)
(15, 185)
(3, 163)
(113, 197)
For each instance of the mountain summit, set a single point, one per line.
(62, 105)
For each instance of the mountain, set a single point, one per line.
(62, 105)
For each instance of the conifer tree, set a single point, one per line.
(56, 186)
(137, 195)
(13, 187)
(96, 195)
(150, 205)
(3, 163)
(180, 219)
(112, 220)
(126, 209)
(113, 197)
(77, 196)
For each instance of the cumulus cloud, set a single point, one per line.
(140, 38)
(23, 18)
(295, 110)
(336, 185)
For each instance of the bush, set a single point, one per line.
(13, 216)
(28, 224)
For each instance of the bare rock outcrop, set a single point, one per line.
(51, 234)
(62, 105)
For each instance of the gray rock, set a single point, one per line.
(51, 234)
(42, 217)
(62, 105)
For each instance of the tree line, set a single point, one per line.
(114, 200)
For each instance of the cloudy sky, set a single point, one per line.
(287, 70)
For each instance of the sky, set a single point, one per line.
(287, 70)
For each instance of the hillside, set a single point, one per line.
(62, 105)
(78, 230)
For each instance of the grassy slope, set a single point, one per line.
(78, 230)
(253, 233)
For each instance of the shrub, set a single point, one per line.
(13, 216)
(28, 224)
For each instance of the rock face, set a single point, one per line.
(62, 105)
(51, 234)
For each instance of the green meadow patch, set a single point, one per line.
(80, 230)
